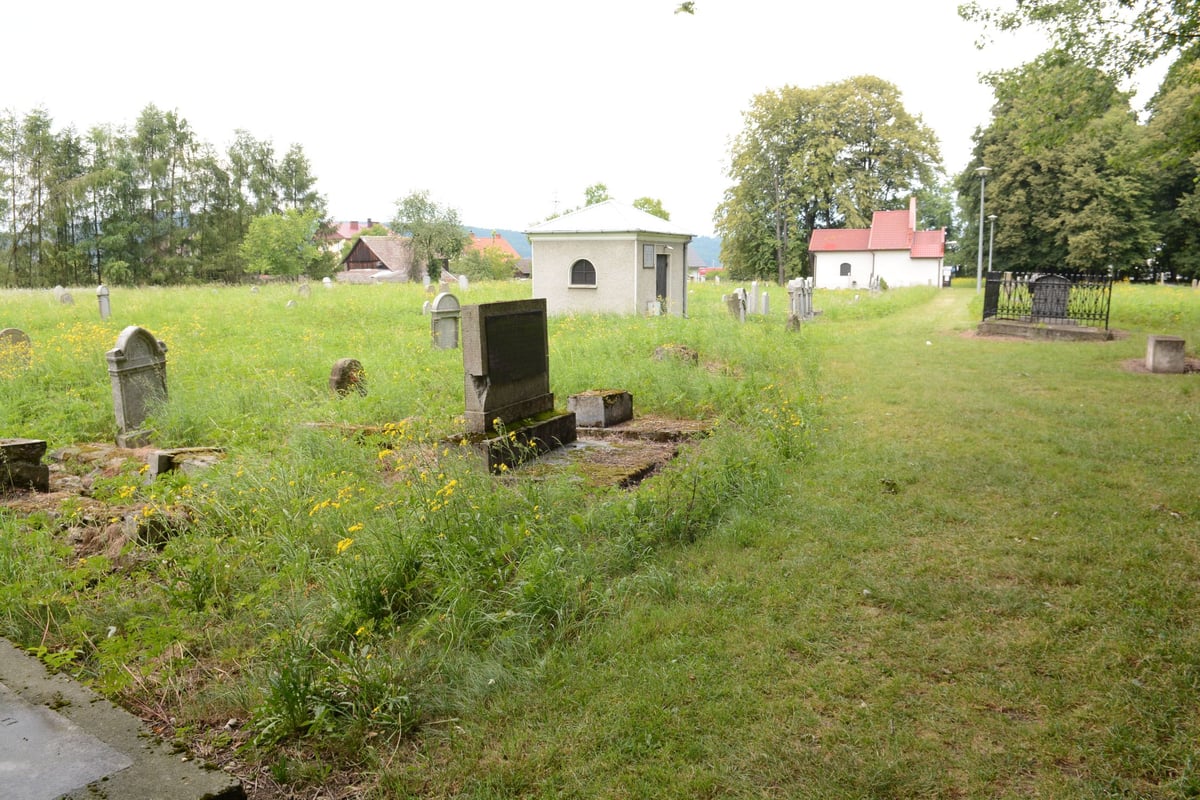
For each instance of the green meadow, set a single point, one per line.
(906, 562)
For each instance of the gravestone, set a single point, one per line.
(800, 292)
(346, 376)
(253, 290)
(507, 362)
(736, 304)
(304, 290)
(1165, 354)
(327, 282)
(506, 365)
(137, 367)
(463, 283)
(291, 304)
(15, 347)
(66, 299)
(58, 292)
(444, 315)
(766, 300)
(21, 464)
(426, 307)
(1050, 295)
(102, 299)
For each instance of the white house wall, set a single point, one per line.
(827, 269)
(623, 285)
(898, 268)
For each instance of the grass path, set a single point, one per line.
(982, 584)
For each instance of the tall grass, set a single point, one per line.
(330, 586)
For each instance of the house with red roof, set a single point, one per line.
(892, 249)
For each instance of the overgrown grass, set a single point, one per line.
(331, 589)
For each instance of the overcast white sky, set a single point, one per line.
(500, 109)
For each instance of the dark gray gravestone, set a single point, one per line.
(21, 464)
(347, 376)
(506, 362)
(1050, 295)
(137, 367)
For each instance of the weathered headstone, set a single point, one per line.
(1050, 296)
(346, 376)
(1166, 354)
(102, 299)
(506, 358)
(766, 308)
(304, 290)
(66, 299)
(327, 282)
(137, 367)
(21, 464)
(15, 347)
(253, 290)
(445, 313)
(58, 292)
(736, 304)
(290, 304)
(463, 283)
(426, 307)
(800, 291)
(601, 408)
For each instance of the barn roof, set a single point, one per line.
(609, 216)
(392, 252)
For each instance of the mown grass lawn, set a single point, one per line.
(981, 583)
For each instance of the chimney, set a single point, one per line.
(912, 213)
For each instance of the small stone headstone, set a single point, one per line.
(253, 290)
(291, 304)
(765, 302)
(463, 283)
(58, 291)
(66, 299)
(102, 299)
(1050, 296)
(1166, 354)
(304, 290)
(21, 464)
(601, 409)
(445, 313)
(137, 367)
(347, 376)
(327, 282)
(426, 307)
(15, 347)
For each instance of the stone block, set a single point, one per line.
(1165, 354)
(601, 408)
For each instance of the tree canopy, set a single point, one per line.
(1063, 149)
(1112, 35)
(435, 231)
(822, 157)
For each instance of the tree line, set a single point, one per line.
(151, 204)
(1077, 181)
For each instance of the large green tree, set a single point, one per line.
(822, 157)
(436, 234)
(284, 244)
(1062, 147)
(1112, 35)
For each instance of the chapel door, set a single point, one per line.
(660, 276)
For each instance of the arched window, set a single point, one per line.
(583, 273)
(845, 268)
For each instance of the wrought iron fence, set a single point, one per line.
(1048, 298)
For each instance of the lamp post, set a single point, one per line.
(982, 172)
(991, 238)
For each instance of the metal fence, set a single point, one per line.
(1048, 298)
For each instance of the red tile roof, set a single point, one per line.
(498, 242)
(929, 244)
(890, 230)
(839, 239)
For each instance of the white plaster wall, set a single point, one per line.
(827, 269)
(899, 269)
(623, 286)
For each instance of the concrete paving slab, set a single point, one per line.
(58, 739)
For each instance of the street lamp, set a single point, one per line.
(991, 238)
(982, 172)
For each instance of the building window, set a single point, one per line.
(583, 273)
(845, 268)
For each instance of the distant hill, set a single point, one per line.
(706, 248)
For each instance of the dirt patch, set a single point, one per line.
(1138, 366)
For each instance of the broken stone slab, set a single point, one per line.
(527, 440)
(601, 408)
(1165, 354)
(189, 459)
(20, 464)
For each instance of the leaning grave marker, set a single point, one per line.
(506, 365)
(137, 367)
